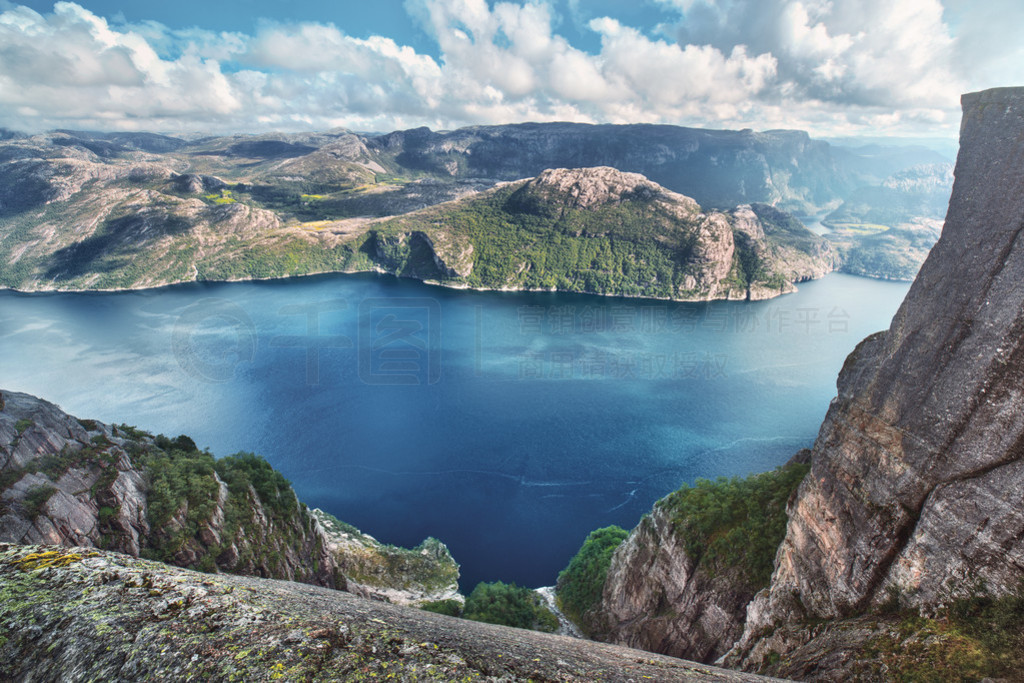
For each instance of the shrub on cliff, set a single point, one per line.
(580, 584)
(36, 498)
(976, 637)
(241, 470)
(451, 608)
(509, 605)
(735, 524)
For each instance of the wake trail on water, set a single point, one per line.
(661, 474)
(521, 480)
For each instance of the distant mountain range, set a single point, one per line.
(82, 210)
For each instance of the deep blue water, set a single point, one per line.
(507, 425)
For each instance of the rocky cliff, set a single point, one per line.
(656, 599)
(911, 487)
(681, 581)
(902, 557)
(84, 483)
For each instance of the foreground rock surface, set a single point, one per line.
(94, 615)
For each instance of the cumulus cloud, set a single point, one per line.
(832, 66)
(859, 53)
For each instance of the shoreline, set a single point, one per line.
(431, 283)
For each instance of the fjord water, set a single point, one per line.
(506, 424)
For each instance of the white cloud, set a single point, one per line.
(861, 53)
(832, 66)
(667, 75)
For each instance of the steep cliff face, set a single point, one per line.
(681, 581)
(657, 599)
(913, 492)
(84, 483)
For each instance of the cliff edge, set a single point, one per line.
(913, 494)
(83, 614)
(900, 554)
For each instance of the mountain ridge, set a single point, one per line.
(279, 205)
(595, 230)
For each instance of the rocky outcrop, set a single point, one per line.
(194, 183)
(776, 251)
(912, 492)
(426, 573)
(32, 181)
(84, 483)
(657, 599)
(425, 255)
(95, 615)
(680, 583)
(588, 188)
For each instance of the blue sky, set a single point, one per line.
(833, 67)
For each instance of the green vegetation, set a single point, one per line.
(973, 638)
(222, 197)
(181, 483)
(183, 486)
(509, 605)
(735, 524)
(132, 432)
(22, 425)
(179, 476)
(451, 608)
(580, 584)
(244, 470)
(633, 248)
(524, 236)
(241, 259)
(35, 499)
